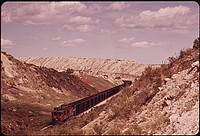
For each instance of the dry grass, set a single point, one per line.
(145, 88)
(114, 131)
(22, 118)
(124, 106)
(98, 129)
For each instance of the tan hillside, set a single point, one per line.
(19, 75)
(112, 70)
(163, 100)
(29, 93)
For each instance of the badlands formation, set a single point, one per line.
(111, 70)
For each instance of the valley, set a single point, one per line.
(160, 100)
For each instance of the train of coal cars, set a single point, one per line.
(65, 111)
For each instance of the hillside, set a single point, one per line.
(27, 89)
(112, 70)
(162, 100)
(17, 74)
(173, 110)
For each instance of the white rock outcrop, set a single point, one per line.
(178, 99)
(109, 69)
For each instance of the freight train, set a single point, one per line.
(65, 111)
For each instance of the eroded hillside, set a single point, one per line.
(19, 75)
(29, 93)
(162, 100)
(112, 70)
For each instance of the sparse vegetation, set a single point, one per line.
(98, 129)
(196, 44)
(117, 77)
(70, 71)
(23, 118)
(146, 86)
(160, 121)
(114, 131)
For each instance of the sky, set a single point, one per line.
(144, 32)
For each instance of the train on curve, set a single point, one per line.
(65, 111)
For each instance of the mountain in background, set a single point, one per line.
(109, 69)
(162, 99)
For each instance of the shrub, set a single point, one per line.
(70, 71)
(137, 130)
(118, 77)
(165, 70)
(171, 60)
(98, 129)
(114, 131)
(196, 44)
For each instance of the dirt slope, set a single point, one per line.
(112, 70)
(16, 73)
(29, 93)
(163, 100)
(171, 107)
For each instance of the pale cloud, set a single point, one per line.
(73, 42)
(64, 44)
(68, 27)
(126, 40)
(45, 49)
(97, 21)
(77, 40)
(5, 43)
(45, 13)
(110, 7)
(145, 44)
(85, 28)
(35, 38)
(178, 17)
(79, 19)
(80, 28)
(118, 6)
(81, 24)
(168, 12)
(94, 9)
(105, 31)
(56, 38)
(39, 13)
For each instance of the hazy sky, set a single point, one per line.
(145, 32)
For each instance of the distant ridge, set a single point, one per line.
(111, 69)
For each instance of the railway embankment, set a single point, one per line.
(162, 101)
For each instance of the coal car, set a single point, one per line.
(65, 111)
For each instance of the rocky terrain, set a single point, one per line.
(112, 70)
(161, 100)
(26, 86)
(173, 110)
(21, 75)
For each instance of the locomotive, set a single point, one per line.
(65, 111)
